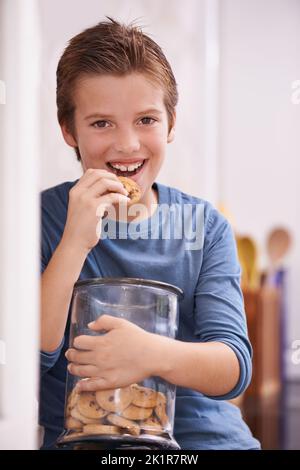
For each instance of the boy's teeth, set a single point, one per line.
(126, 168)
(133, 167)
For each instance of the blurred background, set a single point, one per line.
(237, 144)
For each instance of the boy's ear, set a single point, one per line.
(171, 134)
(68, 137)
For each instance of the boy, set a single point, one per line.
(116, 99)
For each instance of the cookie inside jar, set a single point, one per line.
(134, 410)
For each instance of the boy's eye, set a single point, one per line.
(147, 120)
(100, 124)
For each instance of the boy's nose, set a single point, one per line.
(127, 143)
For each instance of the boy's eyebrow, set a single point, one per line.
(107, 116)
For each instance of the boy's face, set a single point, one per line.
(121, 121)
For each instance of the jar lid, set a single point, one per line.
(130, 281)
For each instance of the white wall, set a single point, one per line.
(19, 219)
(260, 127)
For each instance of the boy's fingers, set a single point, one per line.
(82, 370)
(109, 200)
(106, 186)
(92, 385)
(92, 175)
(80, 357)
(105, 323)
(85, 342)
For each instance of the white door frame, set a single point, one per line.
(19, 219)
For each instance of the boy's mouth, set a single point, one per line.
(126, 169)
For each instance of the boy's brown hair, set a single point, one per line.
(116, 49)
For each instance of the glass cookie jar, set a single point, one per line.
(140, 415)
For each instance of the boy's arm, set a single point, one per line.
(95, 189)
(57, 284)
(128, 354)
(212, 368)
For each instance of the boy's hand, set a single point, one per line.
(88, 200)
(122, 356)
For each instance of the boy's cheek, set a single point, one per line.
(92, 159)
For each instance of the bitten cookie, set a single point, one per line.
(115, 400)
(134, 191)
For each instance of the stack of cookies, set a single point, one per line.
(131, 410)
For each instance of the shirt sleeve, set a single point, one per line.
(48, 359)
(219, 303)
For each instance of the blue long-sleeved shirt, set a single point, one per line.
(192, 248)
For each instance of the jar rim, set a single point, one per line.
(130, 281)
